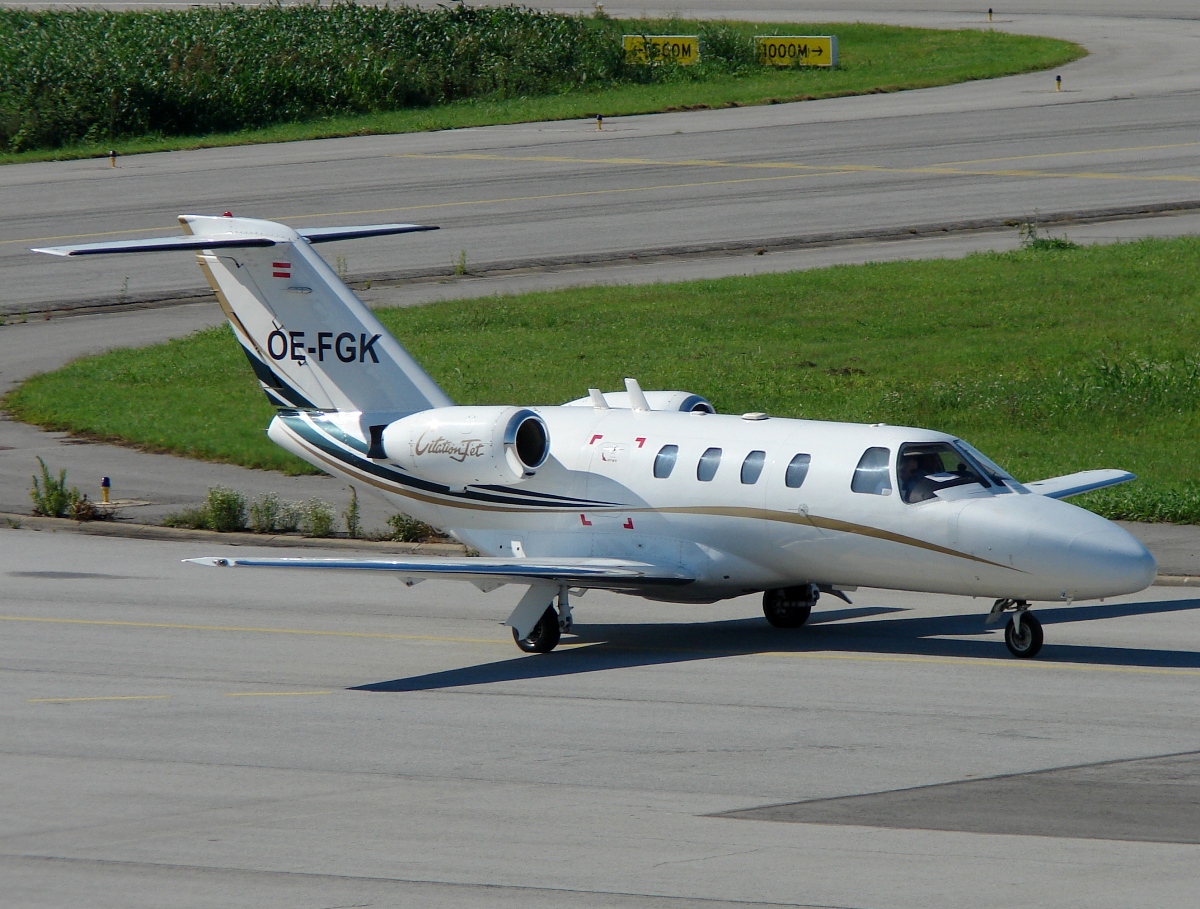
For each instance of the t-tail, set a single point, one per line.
(313, 344)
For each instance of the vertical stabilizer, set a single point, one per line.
(311, 341)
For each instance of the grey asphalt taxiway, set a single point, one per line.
(184, 736)
(172, 735)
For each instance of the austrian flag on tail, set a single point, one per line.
(281, 269)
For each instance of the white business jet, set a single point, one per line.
(649, 493)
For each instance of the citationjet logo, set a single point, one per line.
(458, 451)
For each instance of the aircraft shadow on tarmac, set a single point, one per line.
(631, 645)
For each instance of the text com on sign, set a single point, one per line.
(683, 50)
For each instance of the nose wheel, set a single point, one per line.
(1023, 634)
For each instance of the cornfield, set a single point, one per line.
(83, 76)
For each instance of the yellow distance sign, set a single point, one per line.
(796, 50)
(682, 50)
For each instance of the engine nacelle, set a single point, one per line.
(464, 446)
(658, 400)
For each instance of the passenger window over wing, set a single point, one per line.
(709, 462)
(797, 470)
(664, 461)
(924, 469)
(871, 474)
(752, 467)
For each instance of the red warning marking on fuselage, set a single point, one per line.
(584, 521)
(640, 440)
(595, 437)
(628, 525)
(282, 269)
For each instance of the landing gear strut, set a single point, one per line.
(790, 607)
(1023, 634)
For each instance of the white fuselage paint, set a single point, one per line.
(736, 538)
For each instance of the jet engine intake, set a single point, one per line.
(462, 446)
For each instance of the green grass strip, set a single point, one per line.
(60, 97)
(1050, 360)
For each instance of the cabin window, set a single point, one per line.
(664, 461)
(924, 469)
(871, 475)
(709, 462)
(797, 470)
(752, 467)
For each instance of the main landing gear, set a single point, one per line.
(790, 607)
(1023, 634)
(548, 631)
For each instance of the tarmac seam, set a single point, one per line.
(463, 885)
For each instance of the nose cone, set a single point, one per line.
(1109, 561)
(1039, 548)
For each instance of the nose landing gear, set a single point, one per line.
(1023, 634)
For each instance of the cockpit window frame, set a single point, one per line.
(921, 471)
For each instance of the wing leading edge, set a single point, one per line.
(1076, 483)
(611, 574)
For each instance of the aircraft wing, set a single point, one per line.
(1075, 483)
(612, 574)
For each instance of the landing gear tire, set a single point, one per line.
(789, 607)
(1028, 641)
(545, 634)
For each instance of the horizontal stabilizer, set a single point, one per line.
(329, 234)
(1075, 483)
(612, 574)
(232, 239)
(157, 244)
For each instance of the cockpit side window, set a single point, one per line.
(871, 475)
(924, 469)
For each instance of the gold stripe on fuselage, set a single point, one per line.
(754, 514)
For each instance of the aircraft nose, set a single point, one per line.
(1110, 561)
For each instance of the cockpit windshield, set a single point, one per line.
(927, 468)
(1000, 478)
